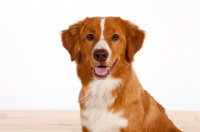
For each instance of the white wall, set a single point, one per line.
(36, 72)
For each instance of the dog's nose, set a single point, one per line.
(100, 55)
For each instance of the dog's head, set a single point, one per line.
(103, 42)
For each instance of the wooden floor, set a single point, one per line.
(69, 121)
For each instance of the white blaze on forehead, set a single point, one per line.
(102, 27)
(102, 43)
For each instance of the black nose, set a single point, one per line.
(100, 55)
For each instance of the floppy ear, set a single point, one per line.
(70, 39)
(135, 38)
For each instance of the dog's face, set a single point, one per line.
(103, 42)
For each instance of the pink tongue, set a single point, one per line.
(101, 71)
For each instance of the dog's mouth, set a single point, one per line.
(102, 71)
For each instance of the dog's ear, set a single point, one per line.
(70, 39)
(135, 38)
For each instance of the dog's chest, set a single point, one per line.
(96, 116)
(101, 120)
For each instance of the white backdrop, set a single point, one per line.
(36, 72)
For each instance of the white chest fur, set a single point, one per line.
(97, 117)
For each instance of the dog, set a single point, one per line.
(111, 98)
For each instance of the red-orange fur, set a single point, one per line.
(144, 114)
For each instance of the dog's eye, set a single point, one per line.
(115, 37)
(90, 37)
